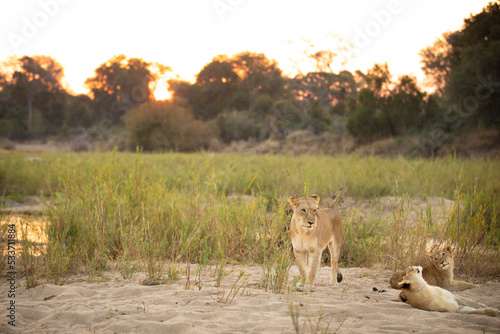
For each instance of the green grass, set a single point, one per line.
(147, 211)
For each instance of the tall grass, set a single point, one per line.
(272, 175)
(150, 212)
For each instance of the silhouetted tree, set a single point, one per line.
(435, 60)
(258, 75)
(389, 108)
(219, 81)
(363, 121)
(34, 75)
(465, 67)
(328, 89)
(118, 85)
(406, 105)
(231, 83)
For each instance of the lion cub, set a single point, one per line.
(439, 272)
(311, 230)
(421, 295)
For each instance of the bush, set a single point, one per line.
(262, 105)
(363, 121)
(5, 128)
(288, 117)
(235, 126)
(165, 126)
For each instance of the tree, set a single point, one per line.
(120, 84)
(378, 80)
(34, 75)
(466, 69)
(435, 60)
(213, 90)
(328, 88)
(79, 111)
(392, 108)
(219, 79)
(320, 59)
(407, 103)
(258, 75)
(363, 121)
(227, 84)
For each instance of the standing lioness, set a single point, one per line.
(311, 230)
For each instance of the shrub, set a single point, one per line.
(363, 121)
(288, 117)
(165, 126)
(5, 128)
(235, 126)
(262, 105)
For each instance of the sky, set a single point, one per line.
(186, 35)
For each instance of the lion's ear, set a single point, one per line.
(449, 249)
(315, 199)
(293, 202)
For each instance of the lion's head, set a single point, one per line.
(304, 210)
(413, 274)
(443, 259)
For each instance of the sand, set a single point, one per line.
(110, 304)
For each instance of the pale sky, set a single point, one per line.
(186, 35)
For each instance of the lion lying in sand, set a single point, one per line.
(439, 272)
(421, 295)
(311, 230)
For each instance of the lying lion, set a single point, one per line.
(419, 294)
(439, 272)
(311, 230)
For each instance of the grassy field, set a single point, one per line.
(149, 212)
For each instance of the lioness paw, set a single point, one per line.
(305, 288)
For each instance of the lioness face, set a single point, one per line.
(304, 210)
(442, 258)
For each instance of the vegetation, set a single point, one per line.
(463, 64)
(150, 212)
(246, 97)
(164, 126)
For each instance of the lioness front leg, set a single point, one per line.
(301, 259)
(313, 267)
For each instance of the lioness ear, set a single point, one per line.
(293, 202)
(449, 249)
(315, 198)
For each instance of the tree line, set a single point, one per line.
(247, 97)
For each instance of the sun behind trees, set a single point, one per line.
(246, 97)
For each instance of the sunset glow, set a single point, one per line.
(161, 93)
(78, 34)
